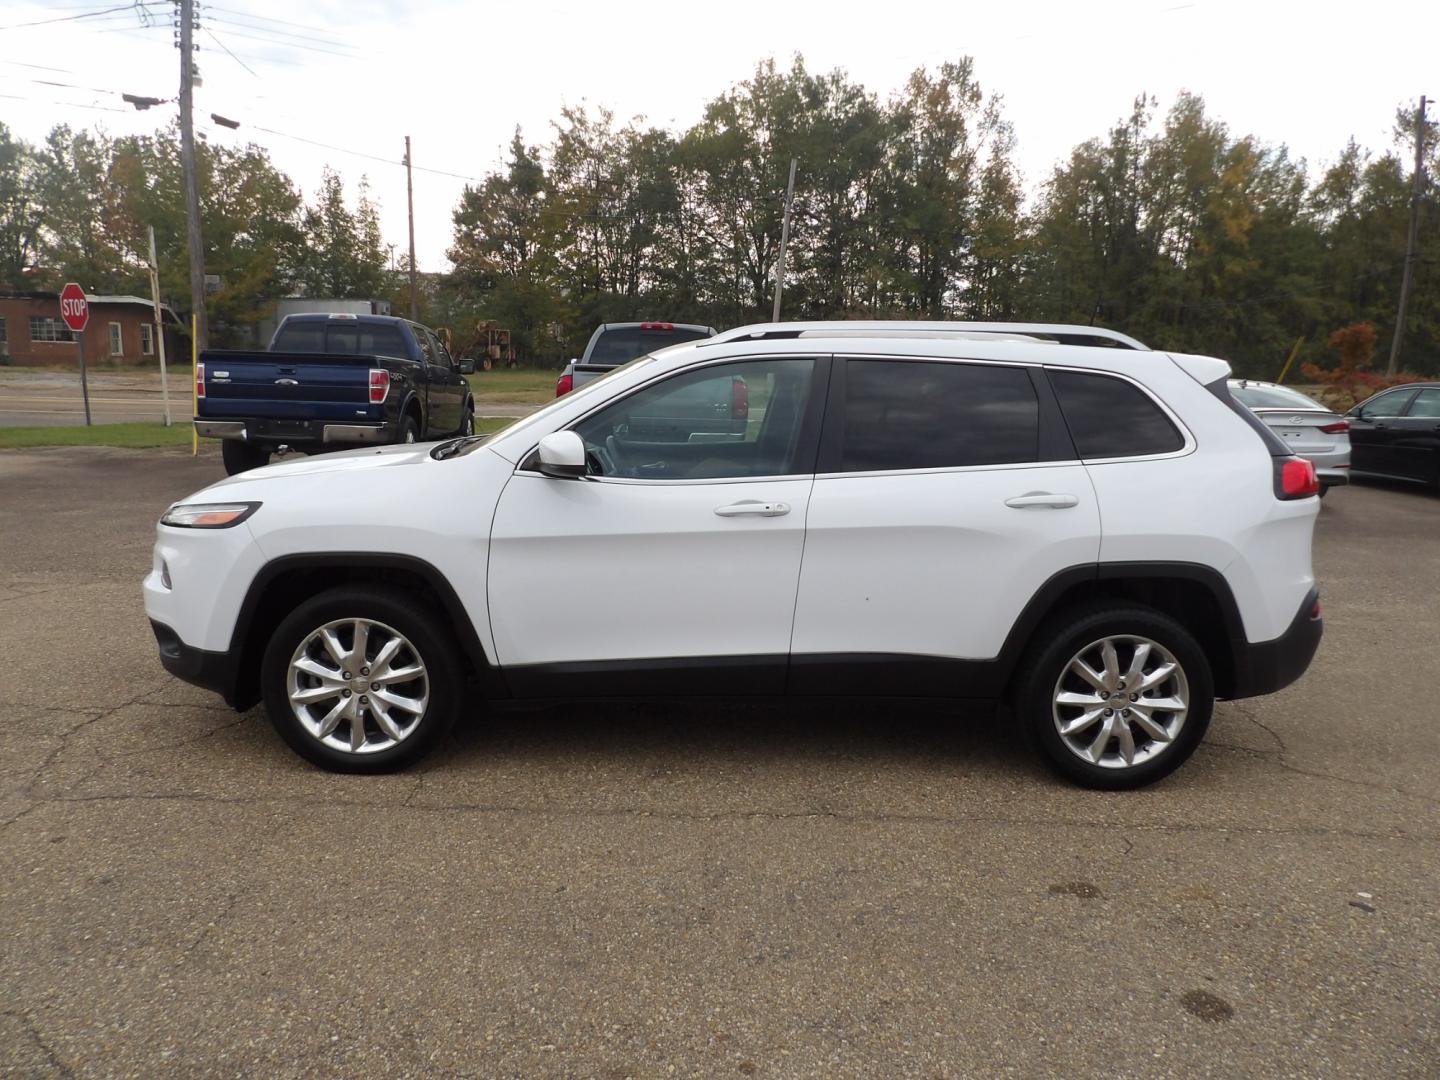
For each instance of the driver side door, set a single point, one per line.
(1373, 433)
(672, 567)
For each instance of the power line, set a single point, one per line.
(288, 45)
(64, 104)
(232, 56)
(268, 18)
(69, 18)
(333, 38)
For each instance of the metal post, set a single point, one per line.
(84, 382)
(159, 326)
(1417, 186)
(187, 164)
(410, 202)
(784, 239)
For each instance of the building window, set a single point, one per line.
(44, 328)
(3, 338)
(147, 339)
(117, 342)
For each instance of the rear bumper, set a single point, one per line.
(1268, 666)
(209, 670)
(292, 431)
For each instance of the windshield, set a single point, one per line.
(339, 336)
(1272, 397)
(585, 389)
(626, 343)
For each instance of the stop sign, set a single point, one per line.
(74, 308)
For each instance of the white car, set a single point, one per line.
(1056, 516)
(1318, 434)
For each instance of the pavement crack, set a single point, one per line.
(863, 818)
(33, 1030)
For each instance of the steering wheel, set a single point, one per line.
(614, 456)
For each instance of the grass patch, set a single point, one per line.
(135, 436)
(488, 425)
(513, 386)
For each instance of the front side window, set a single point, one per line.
(1426, 404)
(1391, 403)
(902, 414)
(438, 356)
(1112, 418)
(726, 420)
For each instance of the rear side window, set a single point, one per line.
(340, 336)
(902, 414)
(1111, 418)
(618, 346)
(1426, 404)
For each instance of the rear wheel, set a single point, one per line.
(408, 431)
(467, 426)
(361, 679)
(240, 456)
(1115, 696)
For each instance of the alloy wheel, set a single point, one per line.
(1120, 701)
(358, 686)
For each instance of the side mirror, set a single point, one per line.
(562, 455)
(467, 367)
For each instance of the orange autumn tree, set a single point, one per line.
(1350, 381)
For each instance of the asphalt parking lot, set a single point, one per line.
(656, 890)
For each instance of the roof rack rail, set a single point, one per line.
(1061, 333)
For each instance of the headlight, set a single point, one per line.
(208, 515)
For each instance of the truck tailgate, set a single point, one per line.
(320, 386)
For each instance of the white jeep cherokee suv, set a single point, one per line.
(1054, 516)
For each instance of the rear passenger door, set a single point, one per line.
(447, 388)
(947, 494)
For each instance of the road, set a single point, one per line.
(669, 890)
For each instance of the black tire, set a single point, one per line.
(240, 456)
(431, 642)
(408, 430)
(1048, 660)
(467, 424)
(1324, 490)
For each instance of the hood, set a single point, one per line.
(346, 461)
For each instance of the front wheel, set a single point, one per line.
(240, 456)
(361, 679)
(1115, 697)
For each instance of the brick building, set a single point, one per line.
(121, 331)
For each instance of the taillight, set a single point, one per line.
(739, 399)
(1295, 478)
(564, 384)
(199, 380)
(1337, 428)
(379, 385)
(1315, 609)
(657, 326)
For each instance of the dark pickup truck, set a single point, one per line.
(331, 382)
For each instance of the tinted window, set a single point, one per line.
(1110, 417)
(1427, 403)
(1273, 397)
(740, 419)
(1391, 403)
(917, 415)
(442, 355)
(340, 336)
(617, 346)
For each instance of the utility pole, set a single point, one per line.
(1417, 187)
(187, 48)
(159, 325)
(784, 239)
(410, 202)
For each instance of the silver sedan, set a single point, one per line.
(1307, 427)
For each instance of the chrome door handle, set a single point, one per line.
(1043, 499)
(752, 508)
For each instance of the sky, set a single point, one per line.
(458, 76)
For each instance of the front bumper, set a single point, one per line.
(1268, 666)
(209, 670)
(293, 431)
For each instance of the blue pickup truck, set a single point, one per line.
(331, 382)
